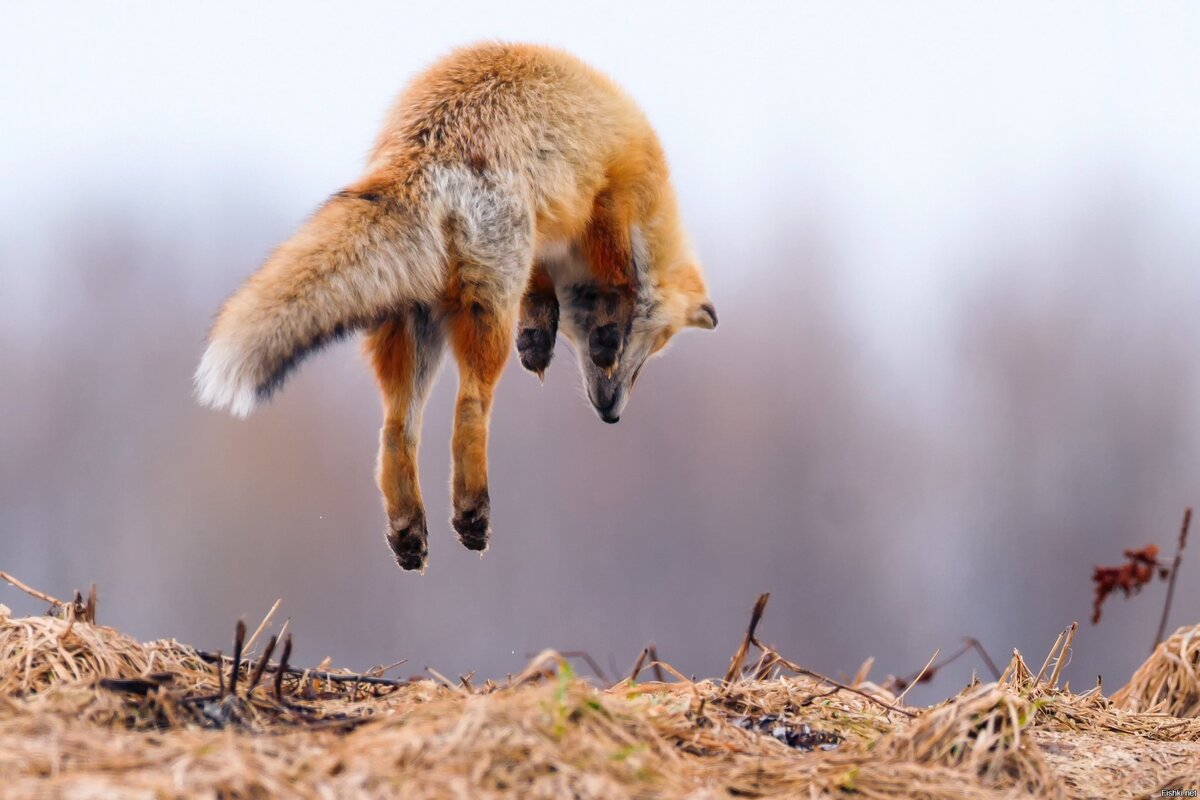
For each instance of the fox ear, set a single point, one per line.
(703, 315)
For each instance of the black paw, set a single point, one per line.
(472, 525)
(408, 540)
(536, 348)
(604, 345)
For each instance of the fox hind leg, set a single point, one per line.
(480, 336)
(405, 352)
(538, 324)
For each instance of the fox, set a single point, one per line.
(514, 193)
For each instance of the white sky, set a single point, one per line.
(902, 131)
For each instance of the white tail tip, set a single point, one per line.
(222, 381)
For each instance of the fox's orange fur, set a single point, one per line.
(501, 168)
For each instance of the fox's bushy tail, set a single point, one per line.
(357, 261)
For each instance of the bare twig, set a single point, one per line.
(1063, 655)
(991, 665)
(799, 670)
(652, 653)
(1183, 532)
(638, 665)
(739, 657)
(331, 677)
(445, 681)
(90, 610)
(537, 669)
(283, 666)
(1054, 648)
(283, 629)
(140, 686)
(71, 617)
(921, 674)
(820, 695)
(29, 590)
(772, 658)
(931, 671)
(763, 670)
(256, 675)
(258, 631)
(863, 671)
(382, 668)
(239, 639)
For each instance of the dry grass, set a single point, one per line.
(982, 732)
(1169, 681)
(173, 729)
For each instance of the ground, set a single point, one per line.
(86, 711)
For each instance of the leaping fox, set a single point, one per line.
(509, 182)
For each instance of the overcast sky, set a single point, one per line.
(902, 130)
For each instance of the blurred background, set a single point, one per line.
(956, 257)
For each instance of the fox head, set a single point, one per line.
(613, 343)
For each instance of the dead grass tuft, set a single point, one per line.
(982, 731)
(40, 652)
(1169, 681)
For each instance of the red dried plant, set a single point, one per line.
(1129, 577)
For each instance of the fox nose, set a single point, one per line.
(608, 409)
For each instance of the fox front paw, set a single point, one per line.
(536, 348)
(408, 539)
(472, 523)
(604, 346)
(537, 329)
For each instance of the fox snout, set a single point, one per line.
(608, 395)
(610, 409)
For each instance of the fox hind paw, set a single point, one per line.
(408, 540)
(473, 526)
